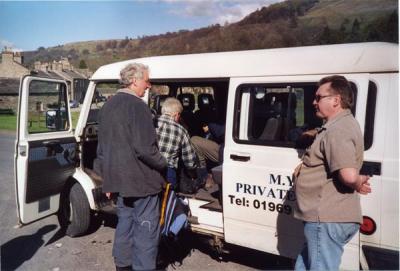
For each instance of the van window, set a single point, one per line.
(47, 107)
(370, 116)
(276, 114)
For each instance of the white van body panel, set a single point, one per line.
(83, 115)
(342, 58)
(209, 221)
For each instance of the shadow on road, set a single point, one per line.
(174, 252)
(18, 250)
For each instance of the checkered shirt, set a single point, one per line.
(174, 143)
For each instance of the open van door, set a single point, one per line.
(45, 147)
(266, 116)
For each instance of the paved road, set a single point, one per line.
(42, 245)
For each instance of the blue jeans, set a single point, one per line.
(137, 232)
(324, 245)
(171, 177)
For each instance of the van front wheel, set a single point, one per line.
(74, 213)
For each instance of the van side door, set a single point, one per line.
(45, 153)
(265, 120)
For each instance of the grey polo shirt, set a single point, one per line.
(321, 196)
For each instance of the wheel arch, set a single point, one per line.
(87, 184)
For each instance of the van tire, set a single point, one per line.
(74, 214)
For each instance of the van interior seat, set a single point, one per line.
(273, 126)
(158, 102)
(187, 116)
(188, 102)
(207, 112)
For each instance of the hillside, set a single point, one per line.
(286, 24)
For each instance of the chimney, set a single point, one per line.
(18, 58)
(37, 65)
(7, 56)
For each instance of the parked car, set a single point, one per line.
(73, 104)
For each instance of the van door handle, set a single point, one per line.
(53, 146)
(371, 168)
(240, 158)
(51, 143)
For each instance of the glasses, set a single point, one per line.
(317, 98)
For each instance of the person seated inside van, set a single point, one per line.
(174, 141)
(209, 149)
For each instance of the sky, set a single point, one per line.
(28, 25)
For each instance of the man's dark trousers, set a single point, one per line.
(137, 232)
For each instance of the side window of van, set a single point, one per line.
(274, 115)
(103, 92)
(370, 115)
(47, 107)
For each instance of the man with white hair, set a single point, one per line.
(174, 140)
(130, 164)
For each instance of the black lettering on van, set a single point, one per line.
(282, 193)
(271, 193)
(290, 179)
(247, 189)
(239, 186)
(261, 190)
(274, 180)
(291, 195)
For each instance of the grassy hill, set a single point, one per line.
(286, 24)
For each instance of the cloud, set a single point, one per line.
(217, 11)
(5, 43)
(8, 44)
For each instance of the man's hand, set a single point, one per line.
(351, 178)
(364, 187)
(108, 195)
(310, 133)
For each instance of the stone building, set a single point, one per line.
(76, 81)
(11, 64)
(11, 70)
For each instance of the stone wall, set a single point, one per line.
(9, 102)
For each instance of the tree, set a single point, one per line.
(82, 64)
(355, 31)
(392, 27)
(99, 47)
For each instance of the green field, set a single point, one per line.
(9, 122)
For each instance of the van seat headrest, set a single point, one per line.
(187, 101)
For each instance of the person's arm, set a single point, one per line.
(188, 153)
(217, 131)
(351, 178)
(144, 140)
(341, 154)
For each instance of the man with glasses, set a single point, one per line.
(328, 183)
